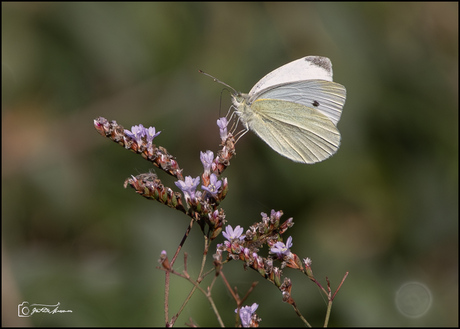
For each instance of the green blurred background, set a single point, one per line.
(384, 208)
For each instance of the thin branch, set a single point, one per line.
(167, 276)
(229, 288)
(253, 285)
(166, 307)
(196, 285)
(187, 232)
(297, 311)
(340, 285)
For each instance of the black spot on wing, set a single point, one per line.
(323, 62)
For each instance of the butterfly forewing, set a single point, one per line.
(306, 68)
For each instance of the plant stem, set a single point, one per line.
(300, 315)
(167, 277)
(328, 313)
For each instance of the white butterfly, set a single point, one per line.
(295, 109)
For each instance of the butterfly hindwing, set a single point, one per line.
(298, 132)
(325, 96)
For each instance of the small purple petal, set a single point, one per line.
(246, 313)
(222, 124)
(207, 159)
(214, 185)
(151, 134)
(188, 186)
(231, 234)
(281, 249)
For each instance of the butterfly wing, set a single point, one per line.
(298, 132)
(325, 96)
(306, 68)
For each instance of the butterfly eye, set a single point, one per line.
(315, 103)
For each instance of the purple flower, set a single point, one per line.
(222, 124)
(275, 215)
(207, 159)
(188, 186)
(281, 249)
(138, 132)
(214, 185)
(151, 134)
(231, 234)
(246, 313)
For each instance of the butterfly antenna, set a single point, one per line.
(218, 81)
